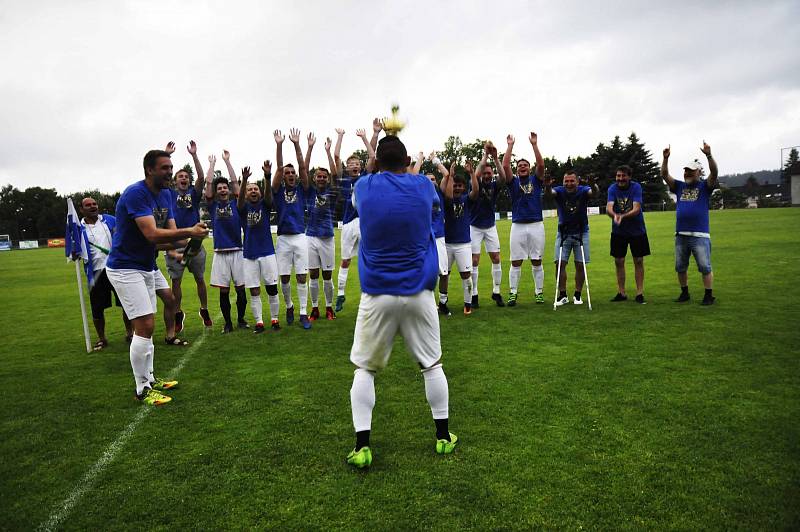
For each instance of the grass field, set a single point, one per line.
(632, 417)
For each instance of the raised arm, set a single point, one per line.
(548, 188)
(437, 163)
(377, 126)
(294, 136)
(665, 170)
(245, 175)
(267, 169)
(447, 182)
(212, 161)
(198, 183)
(507, 158)
(331, 163)
(415, 169)
(593, 190)
(226, 156)
(534, 139)
(475, 186)
(370, 150)
(278, 175)
(311, 141)
(337, 152)
(713, 172)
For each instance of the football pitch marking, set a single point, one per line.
(62, 510)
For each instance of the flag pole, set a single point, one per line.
(83, 308)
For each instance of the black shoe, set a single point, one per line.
(443, 310)
(259, 328)
(243, 324)
(708, 300)
(275, 325)
(640, 299)
(228, 328)
(499, 300)
(619, 297)
(475, 303)
(683, 298)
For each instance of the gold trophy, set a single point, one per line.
(393, 125)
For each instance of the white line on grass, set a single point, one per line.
(62, 510)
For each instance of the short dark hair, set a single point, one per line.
(459, 178)
(391, 153)
(571, 172)
(625, 169)
(523, 159)
(219, 180)
(288, 165)
(151, 157)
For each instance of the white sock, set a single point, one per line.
(302, 295)
(538, 278)
(139, 349)
(150, 352)
(466, 284)
(362, 399)
(327, 288)
(442, 297)
(436, 391)
(314, 285)
(274, 306)
(474, 280)
(342, 280)
(255, 306)
(497, 277)
(286, 288)
(513, 278)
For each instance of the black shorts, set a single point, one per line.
(100, 295)
(640, 246)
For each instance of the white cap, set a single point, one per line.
(694, 165)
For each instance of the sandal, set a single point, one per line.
(100, 345)
(176, 341)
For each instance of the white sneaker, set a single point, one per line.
(562, 301)
(577, 301)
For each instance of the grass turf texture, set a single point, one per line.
(656, 416)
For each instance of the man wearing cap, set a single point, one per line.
(692, 235)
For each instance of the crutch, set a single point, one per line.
(585, 275)
(558, 270)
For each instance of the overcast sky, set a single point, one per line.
(88, 87)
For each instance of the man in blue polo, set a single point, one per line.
(397, 268)
(692, 235)
(456, 229)
(145, 223)
(624, 207)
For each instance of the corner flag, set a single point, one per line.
(76, 250)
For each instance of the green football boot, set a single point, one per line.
(361, 458)
(447, 447)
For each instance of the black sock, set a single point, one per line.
(708, 292)
(362, 439)
(225, 306)
(684, 289)
(577, 294)
(241, 302)
(562, 294)
(442, 432)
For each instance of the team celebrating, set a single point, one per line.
(408, 230)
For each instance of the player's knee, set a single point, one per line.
(327, 275)
(465, 275)
(620, 261)
(255, 291)
(345, 263)
(434, 366)
(313, 273)
(536, 262)
(286, 278)
(272, 289)
(516, 263)
(224, 289)
(638, 261)
(301, 278)
(143, 326)
(476, 259)
(494, 257)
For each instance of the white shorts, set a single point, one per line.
(487, 236)
(441, 251)
(260, 269)
(227, 266)
(160, 281)
(351, 236)
(381, 317)
(292, 250)
(321, 253)
(135, 289)
(461, 254)
(527, 241)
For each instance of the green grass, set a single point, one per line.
(661, 416)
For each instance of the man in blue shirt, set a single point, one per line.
(228, 264)
(186, 206)
(527, 228)
(692, 235)
(482, 224)
(456, 229)
(573, 231)
(145, 223)
(397, 268)
(624, 207)
(437, 221)
(259, 253)
(289, 197)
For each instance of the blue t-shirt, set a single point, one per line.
(290, 204)
(481, 211)
(456, 219)
(526, 199)
(623, 200)
(257, 232)
(397, 254)
(437, 219)
(346, 184)
(227, 224)
(692, 207)
(129, 248)
(320, 212)
(572, 216)
(186, 207)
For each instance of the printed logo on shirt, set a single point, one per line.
(253, 218)
(289, 196)
(690, 194)
(160, 214)
(321, 201)
(184, 201)
(623, 205)
(570, 205)
(458, 210)
(527, 187)
(486, 193)
(225, 211)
